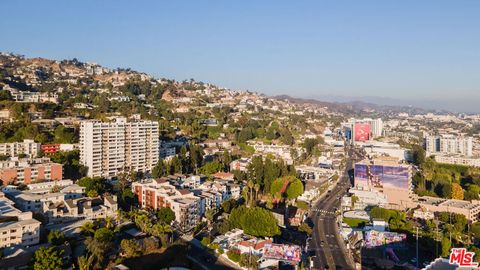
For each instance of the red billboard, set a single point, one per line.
(362, 132)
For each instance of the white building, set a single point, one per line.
(28, 147)
(34, 97)
(458, 160)
(109, 148)
(449, 144)
(376, 149)
(17, 227)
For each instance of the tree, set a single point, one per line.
(475, 229)
(130, 248)
(211, 168)
(87, 228)
(56, 238)
(85, 262)
(5, 95)
(294, 189)
(103, 235)
(446, 190)
(304, 227)
(72, 169)
(354, 200)
(48, 259)
(209, 215)
(165, 215)
(160, 169)
(96, 184)
(99, 249)
(109, 223)
(309, 144)
(418, 154)
(457, 191)
(446, 244)
(254, 221)
(175, 166)
(226, 160)
(229, 205)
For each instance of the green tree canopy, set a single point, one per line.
(166, 215)
(48, 259)
(295, 189)
(56, 238)
(254, 221)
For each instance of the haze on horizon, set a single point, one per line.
(403, 52)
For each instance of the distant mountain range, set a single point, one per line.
(457, 105)
(356, 107)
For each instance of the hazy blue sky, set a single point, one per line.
(396, 49)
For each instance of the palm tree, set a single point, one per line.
(85, 262)
(109, 223)
(250, 185)
(209, 214)
(87, 228)
(257, 189)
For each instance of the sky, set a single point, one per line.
(406, 51)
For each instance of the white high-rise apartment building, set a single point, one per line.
(109, 148)
(449, 144)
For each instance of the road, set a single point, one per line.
(329, 246)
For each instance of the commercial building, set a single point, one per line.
(377, 149)
(24, 170)
(448, 144)
(17, 227)
(109, 148)
(29, 148)
(387, 176)
(470, 210)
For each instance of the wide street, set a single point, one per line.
(329, 246)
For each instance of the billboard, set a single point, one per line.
(382, 176)
(291, 253)
(362, 132)
(386, 239)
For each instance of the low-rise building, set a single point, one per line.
(458, 160)
(80, 208)
(239, 164)
(29, 170)
(34, 97)
(470, 210)
(29, 148)
(17, 227)
(49, 149)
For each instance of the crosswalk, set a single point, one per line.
(321, 211)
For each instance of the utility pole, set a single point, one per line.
(417, 248)
(436, 238)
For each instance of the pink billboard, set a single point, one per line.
(362, 132)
